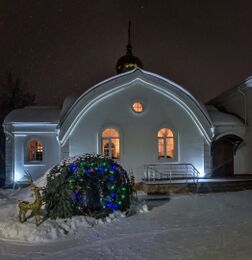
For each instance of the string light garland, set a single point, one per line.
(90, 184)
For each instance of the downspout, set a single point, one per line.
(245, 106)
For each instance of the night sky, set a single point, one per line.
(60, 47)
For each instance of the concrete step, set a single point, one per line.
(202, 187)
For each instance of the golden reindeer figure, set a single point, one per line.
(34, 206)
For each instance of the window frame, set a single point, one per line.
(175, 143)
(142, 105)
(110, 143)
(27, 150)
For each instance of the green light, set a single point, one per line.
(71, 180)
(110, 187)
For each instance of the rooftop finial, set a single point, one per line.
(128, 61)
(129, 47)
(129, 31)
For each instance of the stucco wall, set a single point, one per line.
(235, 104)
(36, 169)
(243, 162)
(138, 131)
(8, 159)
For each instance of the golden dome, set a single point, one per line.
(128, 61)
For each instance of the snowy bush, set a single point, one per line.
(90, 185)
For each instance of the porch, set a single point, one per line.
(184, 178)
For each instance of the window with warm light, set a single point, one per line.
(111, 143)
(165, 143)
(35, 150)
(137, 107)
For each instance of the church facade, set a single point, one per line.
(140, 119)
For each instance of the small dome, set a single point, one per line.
(128, 61)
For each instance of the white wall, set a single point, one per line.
(50, 155)
(9, 159)
(235, 104)
(243, 162)
(138, 131)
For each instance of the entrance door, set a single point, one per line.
(223, 155)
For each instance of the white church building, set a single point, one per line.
(141, 120)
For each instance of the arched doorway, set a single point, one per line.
(223, 151)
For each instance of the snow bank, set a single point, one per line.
(195, 226)
(59, 229)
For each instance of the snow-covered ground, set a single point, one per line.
(209, 226)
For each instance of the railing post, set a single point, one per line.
(148, 174)
(186, 173)
(170, 173)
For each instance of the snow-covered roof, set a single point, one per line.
(34, 114)
(68, 102)
(223, 119)
(236, 90)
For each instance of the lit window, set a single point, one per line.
(137, 107)
(35, 151)
(111, 143)
(165, 143)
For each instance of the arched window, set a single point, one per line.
(111, 143)
(165, 143)
(35, 150)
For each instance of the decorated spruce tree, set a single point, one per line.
(90, 185)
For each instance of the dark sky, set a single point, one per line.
(61, 47)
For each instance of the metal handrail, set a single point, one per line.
(171, 171)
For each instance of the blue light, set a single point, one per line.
(100, 169)
(73, 197)
(73, 167)
(114, 167)
(109, 205)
